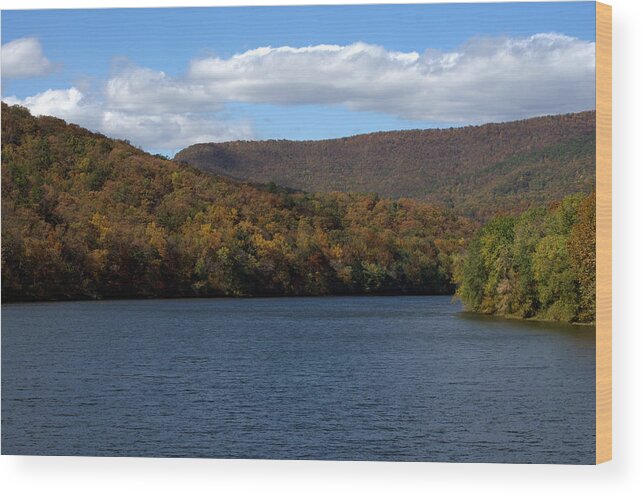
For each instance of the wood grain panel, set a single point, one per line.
(603, 232)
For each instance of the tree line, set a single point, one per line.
(539, 264)
(84, 216)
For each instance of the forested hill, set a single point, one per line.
(540, 264)
(84, 216)
(480, 171)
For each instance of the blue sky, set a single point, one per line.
(427, 52)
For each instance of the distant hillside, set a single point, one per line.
(84, 216)
(478, 170)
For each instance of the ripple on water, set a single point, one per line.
(350, 378)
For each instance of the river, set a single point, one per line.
(408, 378)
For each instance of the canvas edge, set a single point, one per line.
(603, 232)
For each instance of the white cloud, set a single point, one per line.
(486, 79)
(148, 130)
(23, 58)
(171, 131)
(69, 104)
(135, 89)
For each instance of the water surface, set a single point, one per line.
(338, 378)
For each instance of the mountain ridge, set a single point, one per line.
(477, 170)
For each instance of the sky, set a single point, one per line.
(169, 77)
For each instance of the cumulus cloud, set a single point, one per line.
(486, 79)
(136, 88)
(150, 130)
(69, 104)
(23, 58)
(171, 131)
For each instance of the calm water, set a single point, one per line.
(347, 378)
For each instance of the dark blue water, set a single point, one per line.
(347, 378)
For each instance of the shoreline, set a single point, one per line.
(454, 299)
(496, 316)
(216, 297)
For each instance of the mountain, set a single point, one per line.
(478, 170)
(85, 216)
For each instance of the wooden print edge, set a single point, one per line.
(603, 232)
